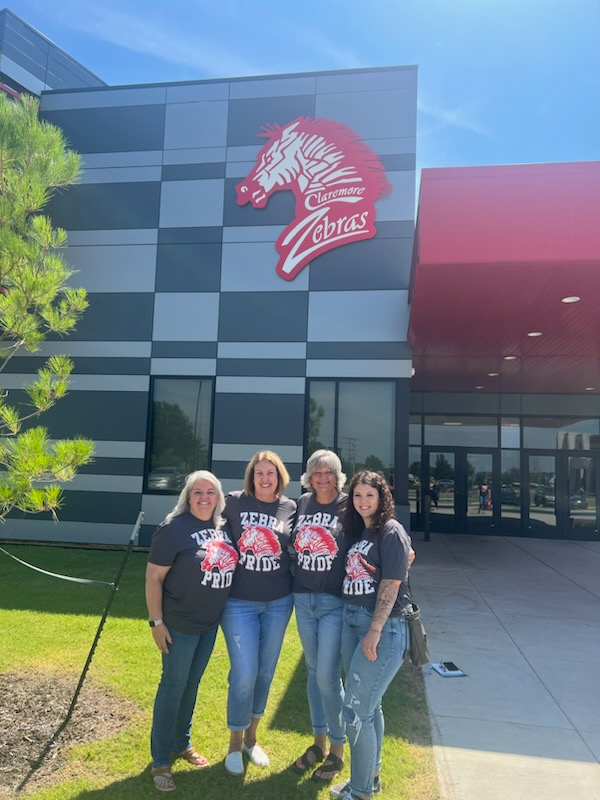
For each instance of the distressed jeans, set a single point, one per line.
(366, 683)
(319, 620)
(175, 701)
(254, 634)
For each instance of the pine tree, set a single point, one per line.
(35, 300)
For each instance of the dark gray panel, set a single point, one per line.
(249, 418)
(399, 162)
(32, 46)
(552, 405)
(247, 118)
(115, 507)
(145, 536)
(267, 367)
(372, 264)
(360, 350)
(189, 235)
(193, 172)
(113, 129)
(510, 404)
(188, 267)
(85, 365)
(263, 316)
(395, 230)
(115, 318)
(115, 466)
(184, 349)
(461, 403)
(109, 416)
(106, 206)
(280, 210)
(23, 60)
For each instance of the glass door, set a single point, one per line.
(542, 517)
(482, 500)
(582, 493)
(439, 483)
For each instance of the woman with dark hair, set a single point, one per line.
(321, 548)
(188, 578)
(374, 635)
(260, 604)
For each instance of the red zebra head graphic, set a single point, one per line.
(316, 540)
(262, 541)
(219, 554)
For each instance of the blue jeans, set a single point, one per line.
(175, 700)
(319, 620)
(254, 634)
(366, 682)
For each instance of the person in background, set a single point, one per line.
(188, 578)
(374, 635)
(321, 547)
(260, 605)
(484, 495)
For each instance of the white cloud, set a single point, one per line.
(465, 117)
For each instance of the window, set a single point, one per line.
(179, 431)
(356, 420)
(561, 434)
(456, 431)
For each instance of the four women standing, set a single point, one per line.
(350, 566)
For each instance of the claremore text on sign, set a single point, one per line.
(335, 178)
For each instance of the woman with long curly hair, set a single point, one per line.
(374, 633)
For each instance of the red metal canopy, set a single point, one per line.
(496, 251)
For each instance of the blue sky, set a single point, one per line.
(500, 81)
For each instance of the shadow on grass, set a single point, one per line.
(213, 783)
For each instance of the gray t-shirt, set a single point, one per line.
(202, 562)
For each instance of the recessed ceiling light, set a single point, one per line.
(510, 358)
(535, 333)
(590, 388)
(571, 299)
(452, 423)
(480, 387)
(493, 374)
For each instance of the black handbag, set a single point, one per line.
(418, 648)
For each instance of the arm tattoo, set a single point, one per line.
(386, 597)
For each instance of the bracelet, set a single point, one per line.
(154, 623)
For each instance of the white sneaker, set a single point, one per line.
(234, 763)
(256, 755)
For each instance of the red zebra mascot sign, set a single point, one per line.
(335, 177)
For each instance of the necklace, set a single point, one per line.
(268, 505)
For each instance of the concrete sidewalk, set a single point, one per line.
(522, 618)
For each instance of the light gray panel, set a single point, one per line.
(367, 316)
(368, 81)
(272, 87)
(246, 152)
(118, 236)
(251, 267)
(94, 348)
(121, 174)
(104, 483)
(197, 92)
(85, 383)
(41, 530)
(376, 114)
(196, 125)
(20, 75)
(106, 98)
(262, 385)
(400, 204)
(105, 449)
(262, 349)
(253, 233)
(192, 204)
(183, 366)
(393, 146)
(189, 317)
(195, 155)
(347, 368)
(116, 268)
(141, 158)
(156, 507)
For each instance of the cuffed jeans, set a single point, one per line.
(319, 620)
(366, 682)
(254, 634)
(182, 670)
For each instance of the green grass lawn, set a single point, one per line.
(48, 625)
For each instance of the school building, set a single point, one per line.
(261, 275)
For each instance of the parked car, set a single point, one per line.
(166, 479)
(545, 496)
(509, 497)
(578, 501)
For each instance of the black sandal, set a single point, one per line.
(329, 769)
(308, 762)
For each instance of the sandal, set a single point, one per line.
(162, 778)
(194, 758)
(305, 759)
(329, 769)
